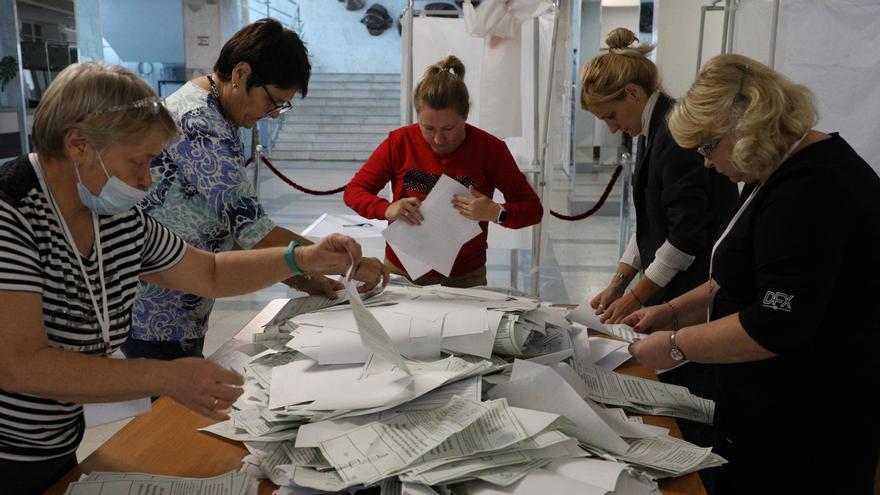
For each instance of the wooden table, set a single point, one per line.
(166, 441)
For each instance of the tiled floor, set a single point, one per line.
(578, 258)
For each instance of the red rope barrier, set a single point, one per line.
(560, 216)
(598, 204)
(292, 183)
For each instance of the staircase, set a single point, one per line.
(341, 121)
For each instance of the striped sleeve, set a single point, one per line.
(162, 248)
(20, 267)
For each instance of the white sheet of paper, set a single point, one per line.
(414, 266)
(438, 240)
(597, 472)
(537, 386)
(607, 353)
(101, 413)
(537, 482)
(465, 321)
(354, 226)
(372, 334)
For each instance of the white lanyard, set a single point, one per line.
(733, 222)
(102, 314)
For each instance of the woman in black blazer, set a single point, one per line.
(680, 204)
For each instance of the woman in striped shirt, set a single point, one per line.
(72, 249)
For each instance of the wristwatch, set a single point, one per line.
(502, 215)
(674, 352)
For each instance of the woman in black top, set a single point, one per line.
(680, 205)
(791, 277)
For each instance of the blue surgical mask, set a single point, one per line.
(115, 197)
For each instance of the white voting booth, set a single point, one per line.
(508, 50)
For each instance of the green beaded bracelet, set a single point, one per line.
(291, 260)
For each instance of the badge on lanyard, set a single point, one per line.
(102, 311)
(733, 222)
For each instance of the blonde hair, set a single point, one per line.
(760, 109)
(606, 76)
(75, 99)
(442, 87)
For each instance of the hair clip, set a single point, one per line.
(151, 103)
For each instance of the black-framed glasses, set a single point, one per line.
(276, 107)
(152, 104)
(708, 148)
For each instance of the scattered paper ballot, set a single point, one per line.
(372, 334)
(584, 315)
(436, 242)
(106, 483)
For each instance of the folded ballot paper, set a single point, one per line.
(417, 388)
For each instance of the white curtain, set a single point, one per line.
(830, 47)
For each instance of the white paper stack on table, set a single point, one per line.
(435, 243)
(392, 394)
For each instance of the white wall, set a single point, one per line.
(202, 37)
(144, 31)
(614, 17)
(677, 29)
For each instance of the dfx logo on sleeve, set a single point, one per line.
(777, 300)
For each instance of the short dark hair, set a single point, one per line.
(276, 55)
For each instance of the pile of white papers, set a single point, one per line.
(412, 389)
(140, 483)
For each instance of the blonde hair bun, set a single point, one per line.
(619, 38)
(442, 87)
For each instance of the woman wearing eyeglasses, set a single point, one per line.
(679, 204)
(73, 246)
(792, 275)
(201, 189)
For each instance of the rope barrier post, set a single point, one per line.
(258, 157)
(514, 268)
(543, 172)
(625, 229)
(256, 153)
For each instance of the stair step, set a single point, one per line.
(325, 146)
(344, 110)
(320, 101)
(388, 120)
(291, 165)
(339, 137)
(333, 76)
(391, 94)
(346, 84)
(297, 128)
(349, 156)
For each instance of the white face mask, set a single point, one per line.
(115, 197)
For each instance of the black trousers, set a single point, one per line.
(33, 478)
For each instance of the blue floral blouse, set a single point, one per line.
(202, 192)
